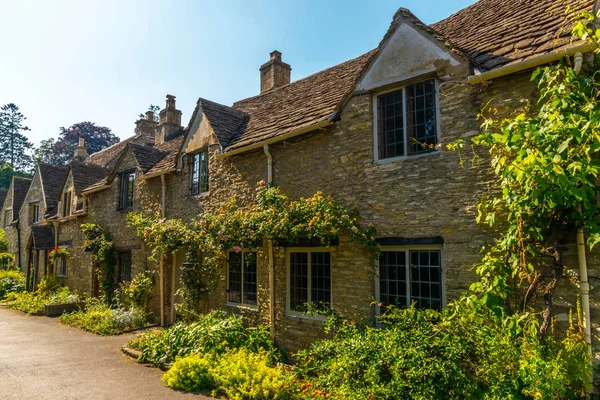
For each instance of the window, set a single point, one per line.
(35, 213)
(418, 280)
(406, 121)
(66, 204)
(62, 267)
(309, 279)
(241, 282)
(199, 172)
(7, 217)
(126, 192)
(124, 263)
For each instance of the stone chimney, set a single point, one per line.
(274, 73)
(145, 129)
(80, 153)
(170, 121)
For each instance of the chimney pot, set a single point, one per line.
(276, 55)
(274, 73)
(150, 115)
(80, 153)
(81, 142)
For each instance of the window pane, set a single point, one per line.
(204, 171)
(320, 279)
(130, 185)
(298, 280)
(390, 125)
(421, 120)
(250, 278)
(426, 278)
(234, 292)
(125, 266)
(195, 172)
(392, 278)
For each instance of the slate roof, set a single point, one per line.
(85, 175)
(173, 147)
(20, 188)
(499, 32)
(3, 193)
(43, 237)
(299, 104)
(145, 156)
(52, 177)
(227, 122)
(109, 154)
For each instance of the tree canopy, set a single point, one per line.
(14, 145)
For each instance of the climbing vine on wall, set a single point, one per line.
(100, 244)
(546, 160)
(272, 216)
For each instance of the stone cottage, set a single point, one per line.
(371, 132)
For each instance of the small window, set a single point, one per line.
(66, 204)
(309, 280)
(407, 121)
(124, 264)
(199, 173)
(7, 218)
(408, 276)
(35, 213)
(62, 267)
(241, 283)
(126, 190)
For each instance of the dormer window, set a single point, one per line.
(66, 204)
(7, 218)
(35, 212)
(406, 121)
(126, 190)
(199, 173)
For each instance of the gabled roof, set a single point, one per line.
(52, 177)
(3, 193)
(85, 174)
(145, 156)
(499, 32)
(172, 147)
(109, 154)
(42, 237)
(227, 122)
(20, 187)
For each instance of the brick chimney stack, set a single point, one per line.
(145, 129)
(80, 153)
(169, 122)
(274, 73)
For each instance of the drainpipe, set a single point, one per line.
(19, 245)
(270, 250)
(162, 256)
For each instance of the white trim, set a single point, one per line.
(288, 311)
(407, 249)
(406, 156)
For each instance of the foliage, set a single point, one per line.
(465, 351)
(60, 151)
(6, 260)
(99, 318)
(155, 110)
(49, 291)
(3, 241)
(7, 173)
(272, 216)
(239, 374)
(100, 244)
(137, 293)
(11, 282)
(14, 145)
(58, 253)
(214, 332)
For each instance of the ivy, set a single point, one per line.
(272, 217)
(100, 244)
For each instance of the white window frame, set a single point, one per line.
(404, 128)
(407, 249)
(62, 261)
(242, 304)
(288, 310)
(35, 214)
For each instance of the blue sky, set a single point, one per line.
(105, 61)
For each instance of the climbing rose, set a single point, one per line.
(237, 249)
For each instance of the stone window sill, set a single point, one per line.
(297, 315)
(243, 307)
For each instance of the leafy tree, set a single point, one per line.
(154, 109)
(6, 174)
(14, 145)
(61, 151)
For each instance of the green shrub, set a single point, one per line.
(190, 373)
(466, 351)
(99, 318)
(49, 291)
(11, 282)
(137, 293)
(239, 374)
(214, 332)
(6, 260)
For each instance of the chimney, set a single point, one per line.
(80, 153)
(145, 129)
(274, 73)
(170, 121)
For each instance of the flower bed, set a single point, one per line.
(49, 292)
(11, 282)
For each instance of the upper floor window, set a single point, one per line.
(126, 190)
(7, 217)
(199, 172)
(309, 279)
(35, 213)
(66, 204)
(241, 278)
(406, 121)
(408, 276)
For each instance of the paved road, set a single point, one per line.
(42, 359)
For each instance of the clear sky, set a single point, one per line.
(64, 62)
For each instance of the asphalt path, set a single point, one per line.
(43, 359)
